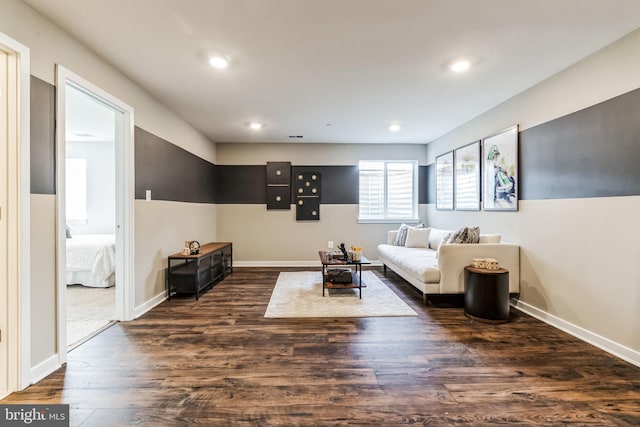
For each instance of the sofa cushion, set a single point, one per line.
(417, 238)
(435, 237)
(417, 262)
(490, 238)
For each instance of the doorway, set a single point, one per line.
(90, 208)
(85, 208)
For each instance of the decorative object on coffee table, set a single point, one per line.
(331, 263)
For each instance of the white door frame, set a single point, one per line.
(125, 192)
(16, 305)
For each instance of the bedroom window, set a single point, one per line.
(388, 191)
(76, 190)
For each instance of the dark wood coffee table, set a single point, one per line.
(356, 275)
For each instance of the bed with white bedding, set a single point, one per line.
(91, 260)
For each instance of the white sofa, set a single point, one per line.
(443, 273)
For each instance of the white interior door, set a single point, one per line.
(4, 296)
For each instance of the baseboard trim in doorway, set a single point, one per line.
(43, 369)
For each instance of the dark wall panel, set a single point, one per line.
(170, 172)
(430, 184)
(43, 147)
(423, 184)
(243, 184)
(339, 183)
(590, 153)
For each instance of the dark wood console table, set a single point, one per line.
(193, 274)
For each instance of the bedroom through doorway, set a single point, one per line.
(104, 212)
(90, 208)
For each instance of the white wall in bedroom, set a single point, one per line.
(101, 187)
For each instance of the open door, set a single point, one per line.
(66, 81)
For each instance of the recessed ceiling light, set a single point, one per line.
(394, 128)
(460, 66)
(255, 126)
(219, 62)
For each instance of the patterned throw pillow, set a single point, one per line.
(465, 235)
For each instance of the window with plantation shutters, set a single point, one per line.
(388, 191)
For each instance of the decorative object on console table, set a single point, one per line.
(193, 274)
(279, 185)
(307, 190)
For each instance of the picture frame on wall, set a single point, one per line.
(467, 177)
(444, 181)
(500, 171)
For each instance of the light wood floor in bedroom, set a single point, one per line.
(219, 362)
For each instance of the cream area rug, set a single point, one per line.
(88, 310)
(299, 294)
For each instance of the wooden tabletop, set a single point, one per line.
(325, 261)
(473, 269)
(204, 249)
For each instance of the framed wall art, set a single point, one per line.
(444, 181)
(467, 177)
(500, 171)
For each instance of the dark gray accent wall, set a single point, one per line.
(243, 184)
(430, 184)
(43, 131)
(593, 152)
(423, 184)
(170, 172)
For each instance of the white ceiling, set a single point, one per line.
(339, 70)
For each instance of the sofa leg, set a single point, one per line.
(384, 268)
(426, 300)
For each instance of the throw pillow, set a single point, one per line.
(418, 238)
(401, 237)
(465, 235)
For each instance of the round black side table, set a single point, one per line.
(486, 294)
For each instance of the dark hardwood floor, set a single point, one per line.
(219, 362)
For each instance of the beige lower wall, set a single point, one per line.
(43, 278)
(161, 229)
(576, 262)
(262, 237)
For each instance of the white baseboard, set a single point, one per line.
(619, 350)
(314, 263)
(44, 369)
(149, 304)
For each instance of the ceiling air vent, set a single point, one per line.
(296, 136)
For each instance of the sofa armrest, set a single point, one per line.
(454, 257)
(391, 236)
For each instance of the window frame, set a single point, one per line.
(386, 219)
